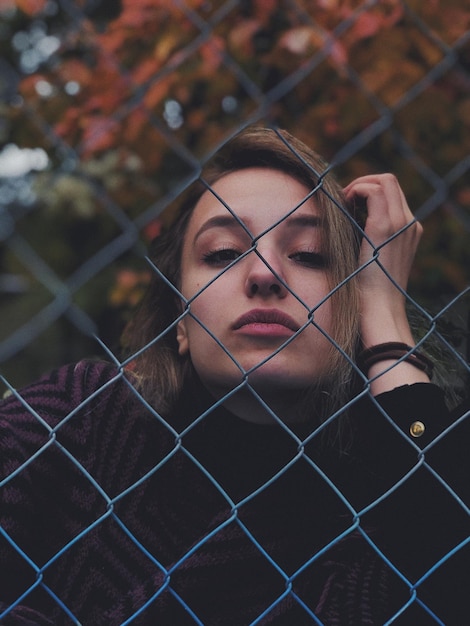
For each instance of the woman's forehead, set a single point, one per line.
(259, 197)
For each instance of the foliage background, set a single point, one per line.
(107, 109)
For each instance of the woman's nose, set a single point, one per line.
(264, 276)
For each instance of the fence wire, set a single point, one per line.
(111, 114)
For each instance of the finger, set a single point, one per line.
(387, 208)
(384, 188)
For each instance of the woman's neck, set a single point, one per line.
(260, 407)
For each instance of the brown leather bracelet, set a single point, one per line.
(394, 350)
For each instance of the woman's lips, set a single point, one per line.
(266, 322)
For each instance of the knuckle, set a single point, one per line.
(389, 177)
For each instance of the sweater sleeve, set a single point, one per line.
(34, 438)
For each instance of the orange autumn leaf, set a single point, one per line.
(69, 124)
(158, 91)
(76, 70)
(145, 70)
(28, 85)
(128, 288)
(241, 36)
(7, 5)
(153, 229)
(212, 54)
(29, 7)
(264, 9)
(370, 23)
(99, 134)
(135, 125)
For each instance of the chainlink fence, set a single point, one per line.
(109, 113)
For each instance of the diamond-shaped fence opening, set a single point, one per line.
(230, 453)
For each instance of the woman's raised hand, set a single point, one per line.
(386, 257)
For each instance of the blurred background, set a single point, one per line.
(108, 108)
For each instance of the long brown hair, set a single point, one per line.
(151, 336)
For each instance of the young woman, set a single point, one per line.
(271, 450)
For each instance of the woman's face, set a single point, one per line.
(247, 308)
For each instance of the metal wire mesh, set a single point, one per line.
(78, 212)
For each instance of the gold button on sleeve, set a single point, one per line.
(417, 429)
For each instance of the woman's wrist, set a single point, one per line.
(387, 375)
(394, 351)
(401, 368)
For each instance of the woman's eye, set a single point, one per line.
(309, 259)
(221, 258)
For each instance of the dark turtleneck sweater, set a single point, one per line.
(110, 516)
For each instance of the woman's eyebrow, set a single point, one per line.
(221, 221)
(304, 220)
(232, 222)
